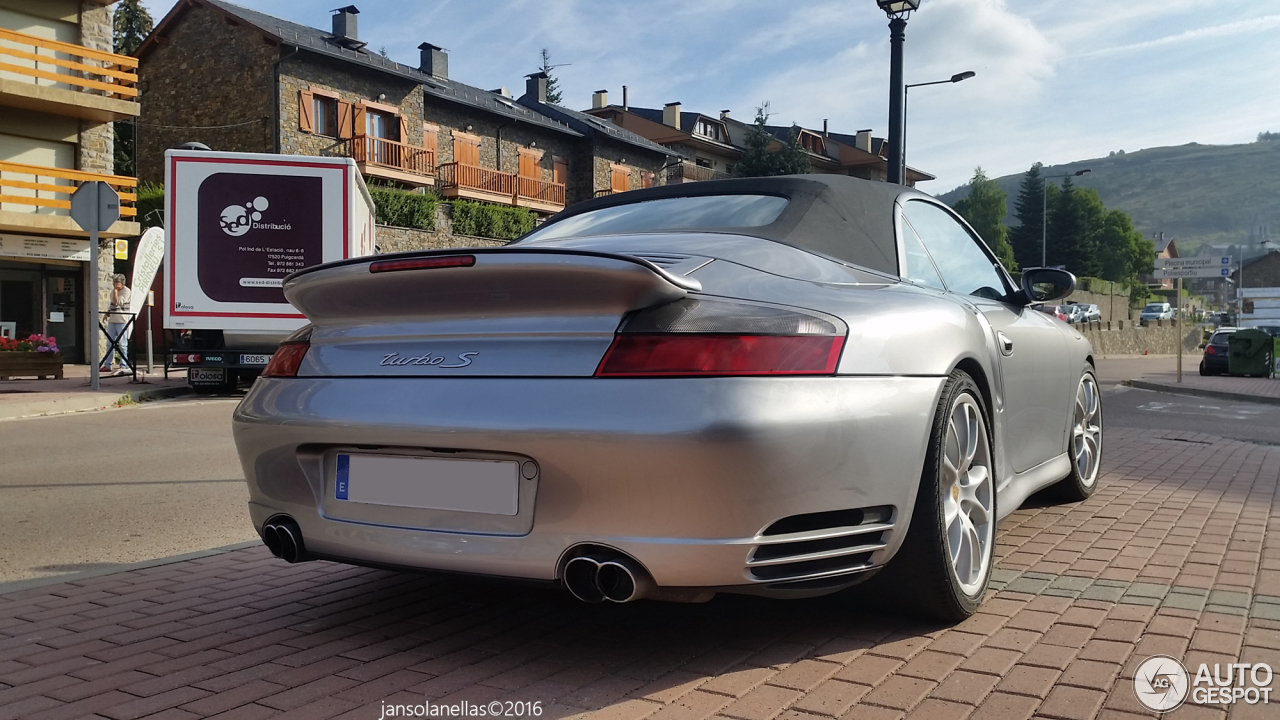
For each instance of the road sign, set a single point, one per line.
(1192, 262)
(1192, 272)
(95, 206)
(122, 249)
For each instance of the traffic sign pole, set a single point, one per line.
(95, 206)
(1180, 330)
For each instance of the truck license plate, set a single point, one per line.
(255, 359)
(207, 375)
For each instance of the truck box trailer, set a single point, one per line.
(236, 225)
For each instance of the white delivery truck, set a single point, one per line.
(236, 225)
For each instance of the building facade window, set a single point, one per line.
(382, 125)
(708, 129)
(325, 115)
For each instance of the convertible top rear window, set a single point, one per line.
(668, 214)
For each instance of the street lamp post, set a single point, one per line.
(898, 11)
(1044, 210)
(954, 79)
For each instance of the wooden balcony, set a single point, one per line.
(683, 172)
(391, 160)
(66, 79)
(539, 195)
(477, 183)
(34, 198)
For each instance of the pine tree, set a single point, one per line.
(1075, 221)
(553, 86)
(760, 161)
(130, 25)
(984, 208)
(1029, 209)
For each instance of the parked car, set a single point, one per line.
(771, 386)
(1214, 361)
(1092, 313)
(1058, 311)
(1156, 311)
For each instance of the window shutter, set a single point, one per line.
(344, 120)
(306, 110)
(404, 129)
(646, 179)
(429, 134)
(357, 120)
(620, 180)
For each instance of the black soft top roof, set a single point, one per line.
(847, 218)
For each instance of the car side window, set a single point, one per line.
(920, 268)
(963, 263)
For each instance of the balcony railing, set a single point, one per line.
(544, 191)
(689, 172)
(471, 177)
(48, 187)
(391, 154)
(75, 65)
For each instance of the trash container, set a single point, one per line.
(1249, 353)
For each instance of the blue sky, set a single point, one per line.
(1057, 80)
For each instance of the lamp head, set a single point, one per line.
(1082, 172)
(898, 8)
(962, 76)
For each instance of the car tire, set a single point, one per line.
(933, 572)
(1084, 446)
(1204, 370)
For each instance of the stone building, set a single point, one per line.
(239, 80)
(60, 90)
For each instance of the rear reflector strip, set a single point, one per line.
(636, 355)
(422, 263)
(286, 360)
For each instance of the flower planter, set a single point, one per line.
(30, 364)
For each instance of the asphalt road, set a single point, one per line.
(88, 490)
(1150, 410)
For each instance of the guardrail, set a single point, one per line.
(115, 75)
(540, 190)
(18, 176)
(472, 177)
(391, 154)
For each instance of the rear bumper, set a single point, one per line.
(681, 474)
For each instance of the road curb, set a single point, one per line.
(73, 403)
(1200, 392)
(19, 585)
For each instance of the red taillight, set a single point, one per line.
(1208, 350)
(633, 355)
(186, 359)
(422, 263)
(285, 362)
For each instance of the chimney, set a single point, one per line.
(625, 106)
(671, 115)
(724, 114)
(599, 99)
(863, 140)
(824, 128)
(344, 22)
(535, 86)
(434, 61)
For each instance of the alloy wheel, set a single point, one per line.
(968, 494)
(1086, 432)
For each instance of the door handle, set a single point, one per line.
(1006, 345)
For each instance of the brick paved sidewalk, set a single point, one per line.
(1173, 555)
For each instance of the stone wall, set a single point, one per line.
(1125, 338)
(396, 239)
(206, 73)
(606, 152)
(353, 84)
(515, 135)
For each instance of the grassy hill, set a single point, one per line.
(1195, 193)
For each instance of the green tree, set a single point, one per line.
(761, 160)
(553, 85)
(1123, 252)
(1029, 209)
(1075, 221)
(984, 208)
(130, 25)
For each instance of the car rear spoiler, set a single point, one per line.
(485, 282)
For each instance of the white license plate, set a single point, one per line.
(210, 375)
(477, 486)
(255, 359)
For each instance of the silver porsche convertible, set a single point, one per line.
(776, 386)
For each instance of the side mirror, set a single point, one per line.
(1046, 284)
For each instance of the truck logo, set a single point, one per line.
(236, 219)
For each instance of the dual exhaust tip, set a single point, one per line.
(607, 576)
(283, 538)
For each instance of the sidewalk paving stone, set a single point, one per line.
(1187, 565)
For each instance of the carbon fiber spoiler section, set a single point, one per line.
(502, 282)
